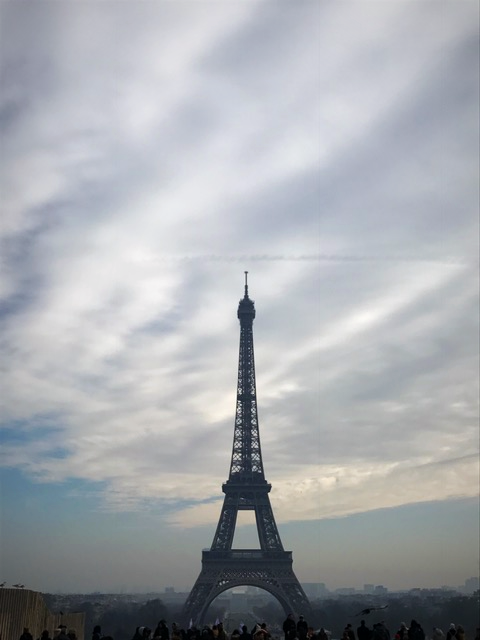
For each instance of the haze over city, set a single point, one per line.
(151, 153)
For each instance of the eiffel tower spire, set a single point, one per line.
(223, 567)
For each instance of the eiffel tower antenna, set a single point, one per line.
(223, 567)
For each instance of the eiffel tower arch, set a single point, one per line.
(270, 567)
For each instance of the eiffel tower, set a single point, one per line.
(269, 567)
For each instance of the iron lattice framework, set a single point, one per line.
(269, 567)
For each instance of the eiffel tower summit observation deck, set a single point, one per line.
(270, 566)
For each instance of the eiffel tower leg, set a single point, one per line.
(298, 603)
(195, 607)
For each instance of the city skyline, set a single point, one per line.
(154, 153)
(312, 589)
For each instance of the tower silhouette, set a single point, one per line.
(269, 567)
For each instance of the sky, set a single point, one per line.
(151, 153)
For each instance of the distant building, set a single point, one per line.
(380, 590)
(471, 585)
(369, 588)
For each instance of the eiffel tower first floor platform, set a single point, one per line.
(268, 570)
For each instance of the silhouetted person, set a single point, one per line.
(289, 627)
(245, 635)
(262, 632)
(350, 632)
(415, 632)
(257, 632)
(162, 631)
(380, 632)
(460, 635)
(62, 633)
(177, 632)
(322, 634)
(26, 635)
(402, 633)
(452, 630)
(363, 632)
(44, 635)
(97, 632)
(302, 628)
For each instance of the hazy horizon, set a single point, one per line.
(359, 590)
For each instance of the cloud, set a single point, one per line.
(149, 164)
(327, 491)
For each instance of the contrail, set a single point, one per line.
(313, 257)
